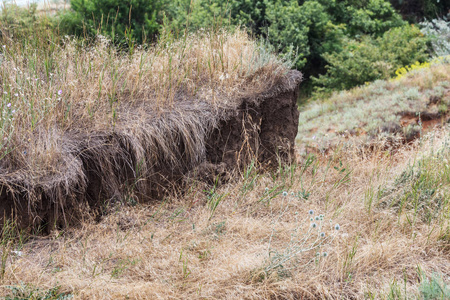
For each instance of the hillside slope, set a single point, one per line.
(352, 223)
(396, 110)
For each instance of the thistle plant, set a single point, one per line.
(308, 240)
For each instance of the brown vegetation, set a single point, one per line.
(107, 122)
(187, 247)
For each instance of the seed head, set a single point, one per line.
(337, 227)
(285, 194)
(322, 234)
(325, 254)
(313, 225)
(311, 212)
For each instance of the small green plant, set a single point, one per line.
(184, 261)
(122, 266)
(9, 240)
(28, 292)
(250, 176)
(434, 287)
(214, 198)
(421, 190)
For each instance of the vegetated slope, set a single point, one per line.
(346, 225)
(397, 109)
(82, 124)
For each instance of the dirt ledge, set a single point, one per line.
(101, 168)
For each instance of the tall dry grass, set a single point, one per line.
(59, 85)
(76, 112)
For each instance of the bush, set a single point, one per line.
(19, 22)
(439, 32)
(122, 21)
(369, 59)
(312, 27)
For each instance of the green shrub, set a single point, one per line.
(438, 31)
(369, 59)
(311, 27)
(21, 22)
(122, 21)
(25, 291)
(434, 288)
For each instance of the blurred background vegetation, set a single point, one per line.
(339, 43)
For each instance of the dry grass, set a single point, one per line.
(74, 113)
(185, 248)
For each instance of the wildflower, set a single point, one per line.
(17, 95)
(6, 93)
(266, 189)
(311, 212)
(8, 105)
(59, 92)
(13, 111)
(313, 225)
(337, 227)
(314, 137)
(4, 46)
(322, 234)
(285, 194)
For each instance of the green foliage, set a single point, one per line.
(434, 288)
(311, 27)
(438, 31)
(122, 21)
(369, 17)
(27, 292)
(308, 28)
(369, 59)
(20, 23)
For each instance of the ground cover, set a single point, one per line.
(345, 225)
